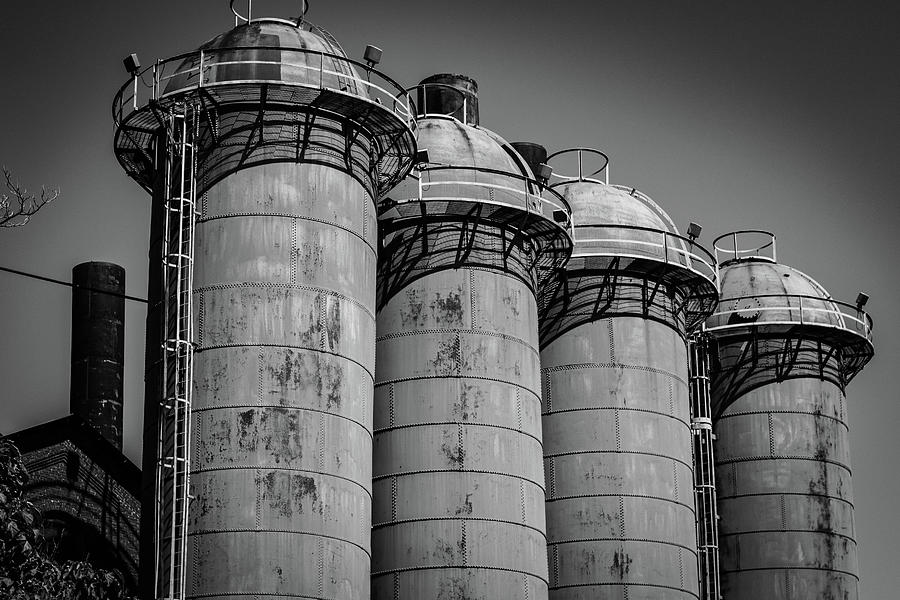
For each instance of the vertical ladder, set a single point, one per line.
(704, 468)
(174, 441)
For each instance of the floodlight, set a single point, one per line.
(372, 56)
(694, 230)
(422, 157)
(132, 64)
(544, 171)
(861, 300)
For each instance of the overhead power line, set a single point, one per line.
(72, 285)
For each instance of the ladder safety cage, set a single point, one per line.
(174, 411)
(704, 467)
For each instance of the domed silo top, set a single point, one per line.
(759, 292)
(448, 94)
(272, 50)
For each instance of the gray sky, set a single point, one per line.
(769, 114)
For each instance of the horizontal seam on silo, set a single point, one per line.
(289, 216)
(620, 408)
(466, 567)
(382, 382)
(255, 595)
(623, 539)
(277, 468)
(306, 349)
(614, 365)
(792, 568)
(450, 331)
(629, 583)
(282, 407)
(466, 423)
(781, 412)
(642, 496)
(815, 531)
(477, 471)
(740, 459)
(802, 494)
(285, 286)
(285, 531)
(656, 454)
(385, 524)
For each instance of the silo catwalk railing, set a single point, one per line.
(704, 468)
(458, 484)
(174, 438)
(287, 136)
(788, 335)
(617, 418)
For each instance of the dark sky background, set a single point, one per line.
(774, 115)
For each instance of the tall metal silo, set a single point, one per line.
(458, 480)
(265, 151)
(616, 412)
(787, 350)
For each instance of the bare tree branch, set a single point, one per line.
(17, 205)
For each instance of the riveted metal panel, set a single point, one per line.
(458, 479)
(617, 451)
(281, 461)
(785, 501)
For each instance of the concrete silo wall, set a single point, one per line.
(283, 376)
(617, 452)
(458, 479)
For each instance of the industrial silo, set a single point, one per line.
(265, 151)
(616, 411)
(787, 350)
(458, 482)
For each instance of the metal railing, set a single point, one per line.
(580, 153)
(190, 72)
(238, 17)
(747, 244)
(792, 309)
(422, 93)
(505, 189)
(633, 241)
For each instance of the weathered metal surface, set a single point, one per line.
(785, 495)
(617, 451)
(458, 480)
(284, 293)
(782, 457)
(98, 347)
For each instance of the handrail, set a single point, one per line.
(737, 252)
(424, 112)
(555, 201)
(581, 151)
(198, 68)
(843, 311)
(249, 17)
(674, 247)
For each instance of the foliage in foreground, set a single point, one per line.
(26, 573)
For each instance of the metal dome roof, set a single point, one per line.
(594, 202)
(276, 32)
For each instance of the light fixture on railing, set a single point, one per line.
(372, 56)
(693, 231)
(132, 64)
(544, 171)
(861, 300)
(421, 158)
